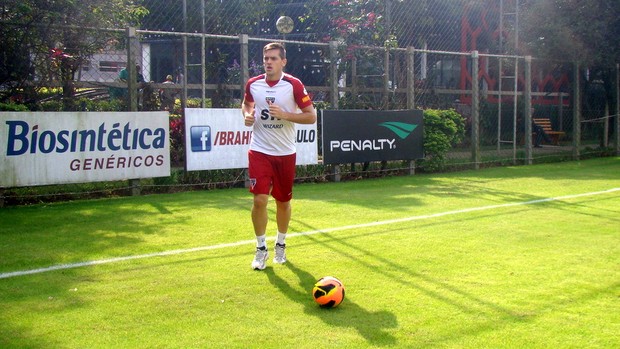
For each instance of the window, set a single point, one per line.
(110, 66)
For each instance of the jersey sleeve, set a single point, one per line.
(301, 95)
(247, 95)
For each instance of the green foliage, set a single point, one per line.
(53, 105)
(12, 107)
(196, 103)
(322, 105)
(573, 30)
(352, 22)
(105, 105)
(54, 52)
(488, 121)
(82, 104)
(177, 140)
(443, 129)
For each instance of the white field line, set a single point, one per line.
(312, 232)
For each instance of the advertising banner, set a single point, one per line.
(218, 139)
(372, 135)
(43, 148)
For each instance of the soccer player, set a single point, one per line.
(272, 104)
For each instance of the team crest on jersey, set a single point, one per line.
(270, 99)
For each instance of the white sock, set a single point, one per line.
(281, 237)
(260, 241)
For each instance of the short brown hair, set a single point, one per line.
(275, 46)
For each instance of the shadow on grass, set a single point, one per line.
(493, 316)
(404, 192)
(370, 325)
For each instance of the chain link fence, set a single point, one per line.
(351, 55)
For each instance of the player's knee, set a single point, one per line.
(283, 204)
(260, 200)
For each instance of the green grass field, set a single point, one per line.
(515, 257)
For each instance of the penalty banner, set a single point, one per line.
(372, 135)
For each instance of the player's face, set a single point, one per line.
(274, 64)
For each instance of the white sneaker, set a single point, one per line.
(280, 257)
(260, 259)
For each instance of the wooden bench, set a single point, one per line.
(545, 123)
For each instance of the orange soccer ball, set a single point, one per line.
(328, 292)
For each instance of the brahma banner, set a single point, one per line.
(218, 139)
(42, 148)
(372, 135)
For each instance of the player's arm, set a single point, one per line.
(304, 103)
(307, 115)
(247, 109)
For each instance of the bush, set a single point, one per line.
(443, 129)
(86, 104)
(12, 107)
(51, 106)
(177, 140)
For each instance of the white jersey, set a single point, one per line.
(273, 136)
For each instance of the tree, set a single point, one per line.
(229, 17)
(46, 41)
(573, 30)
(585, 32)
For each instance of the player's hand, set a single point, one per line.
(249, 119)
(276, 112)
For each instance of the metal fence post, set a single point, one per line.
(335, 173)
(411, 92)
(386, 79)
(184, 77)
(527, 94)
(184, 60)
(134, 184)
(475, 111)
(203, 70)
(245, 60)
(576, 112)
(617, 131)
(203, 58)
(410, 77)
(132, 86)
(333, 66)
(244, 56)
(354, 83)
(334, 93)
(606, 126)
